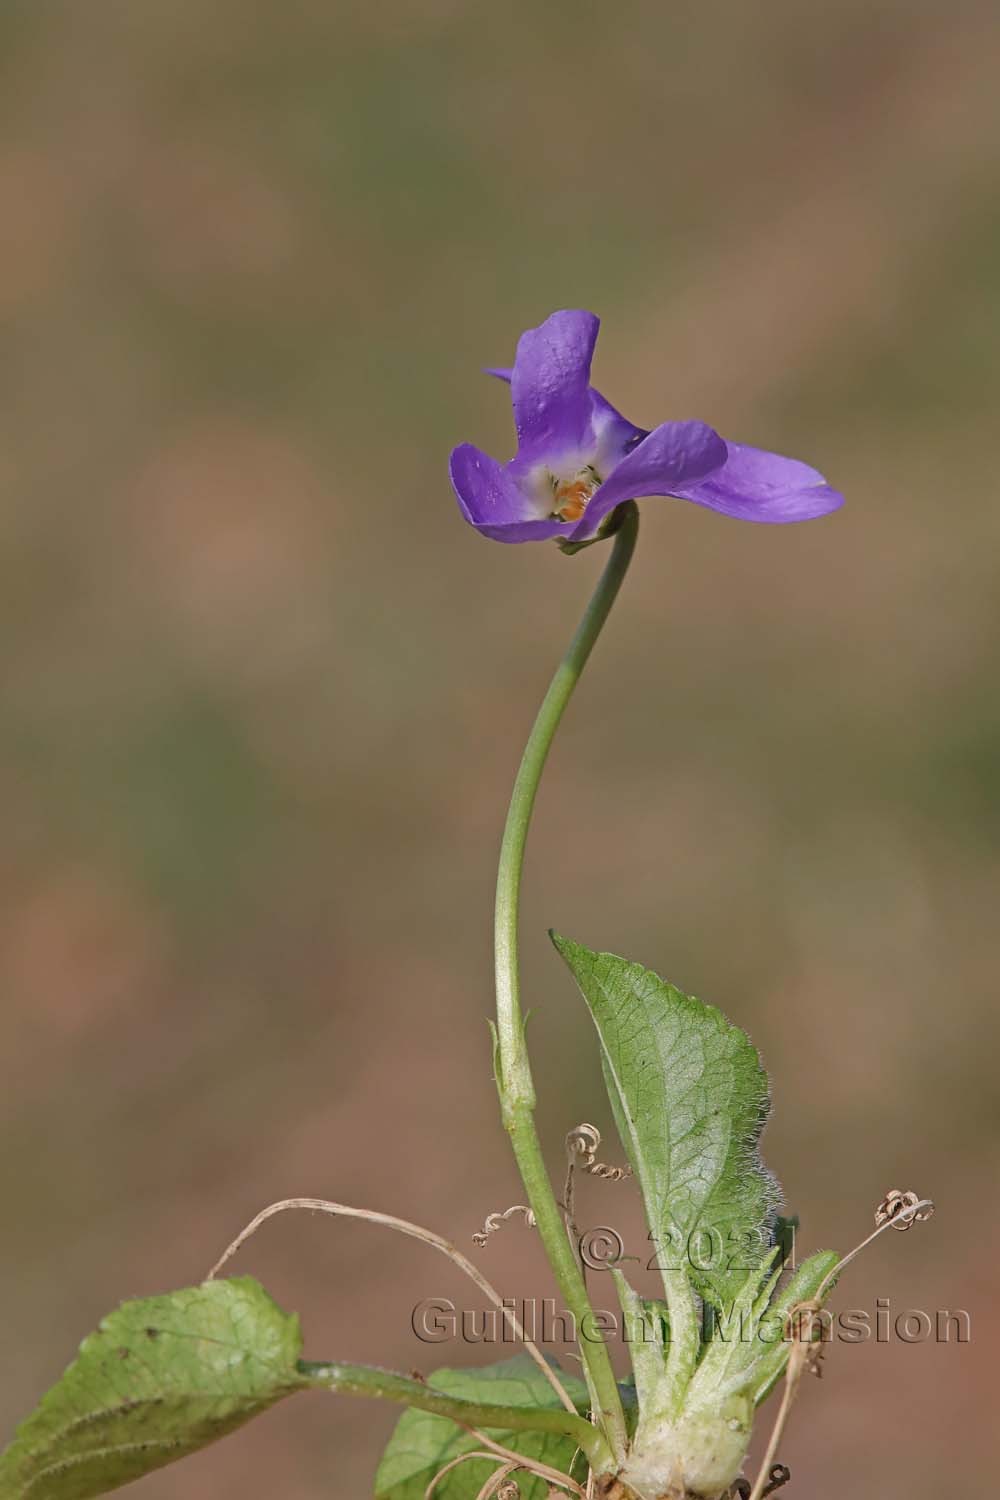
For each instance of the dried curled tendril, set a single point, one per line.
(778, 1475)
(497, 1221)
(582, 1145)
(902, 1210)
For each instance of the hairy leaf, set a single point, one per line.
(690, 1099)
(160, 1378)
(422, 1444)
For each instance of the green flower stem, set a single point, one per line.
(517, 1094)
(366, 1380)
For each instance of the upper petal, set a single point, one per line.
(550, 382)
(491, 501)
(754, 485)
(673, 454)
(613, 433)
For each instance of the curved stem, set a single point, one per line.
(517, 1095)
(417, 1232)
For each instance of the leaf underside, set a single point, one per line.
(160, 1378)
(421, 1444)
(690, 1098)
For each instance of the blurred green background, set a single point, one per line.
(263, 692)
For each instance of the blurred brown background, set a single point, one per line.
(263, 692)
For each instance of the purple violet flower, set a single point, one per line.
(578, 458)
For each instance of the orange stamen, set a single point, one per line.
(571, 499)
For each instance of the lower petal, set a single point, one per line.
(754, 485)
(672, 455)
(491, 502)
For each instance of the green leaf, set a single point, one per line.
(802, 1286)
(690, 1099)
(160, 1378)
(749, 1350)
(422, 1444)
(647, 1334)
